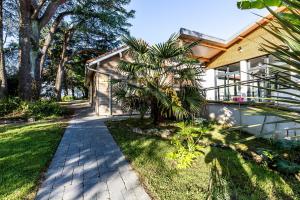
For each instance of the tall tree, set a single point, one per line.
(67, 36)
(34, 16)
(46, 15)
(3, 81)
(95, 28)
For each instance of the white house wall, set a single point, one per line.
(232, 115)
(209, 81)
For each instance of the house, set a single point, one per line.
(235, 71)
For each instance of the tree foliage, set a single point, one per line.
(97, 27)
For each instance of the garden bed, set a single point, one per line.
(220, 173)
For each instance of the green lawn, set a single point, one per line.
(219, 174)
(25, 152)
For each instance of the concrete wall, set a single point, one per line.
(235, 115)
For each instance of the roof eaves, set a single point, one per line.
(201, 36)
(235, 37)
(107, 55)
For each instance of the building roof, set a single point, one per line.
(209, 47)
(107, 55)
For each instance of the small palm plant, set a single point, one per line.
(163, 78)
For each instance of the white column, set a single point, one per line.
(244, 77)
(209, 80)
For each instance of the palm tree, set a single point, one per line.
(163, 78)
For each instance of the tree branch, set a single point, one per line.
(50, 11)
(49, 37)
(38, 7)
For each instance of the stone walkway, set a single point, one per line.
(88, 165)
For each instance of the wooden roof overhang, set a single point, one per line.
(209, 48)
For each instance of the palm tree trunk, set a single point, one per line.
(155, 113)
(3, 80)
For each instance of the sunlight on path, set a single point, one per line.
(88, 164)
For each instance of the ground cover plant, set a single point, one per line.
(25, 152)
(219, 173)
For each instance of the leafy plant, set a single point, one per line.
(67, 98)
(288, 144)
(186, 145)
(45, 108)
(162, 77)
(259, 4)
(39, 109)
(287, 167)
(8, 105)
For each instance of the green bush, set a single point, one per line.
(67, 98)
(186, 145)
(287, 167)
(38, 109)
(44, 108)
(8, 105)
(288, 144)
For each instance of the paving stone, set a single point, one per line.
(57, 193)
(88, 165)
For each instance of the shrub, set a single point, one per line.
(39, 109)
(287, 167)
(8, 105)
(45, 108)
(288, 144)
(186, 145)
(67, 98)
(162, 78)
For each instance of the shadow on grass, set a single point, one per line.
(25, 151)
(233, 177)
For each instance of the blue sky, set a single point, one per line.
(156, 20)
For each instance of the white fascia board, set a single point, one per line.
(108, 56)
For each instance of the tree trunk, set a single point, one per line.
(85, 92)
(48, 41)
(35, 59)
(26, 74)
(66, 85)
(155, 113)
(61, 66)
(60, 75)
(73, 92)
(3, 80)
(30, 27)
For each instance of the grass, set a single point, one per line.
(25, 152)
(218, 174)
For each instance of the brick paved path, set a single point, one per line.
(88, 165)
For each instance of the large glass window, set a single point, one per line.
(258, 79)
(227, 81)
(282, 73)
(261, 80)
